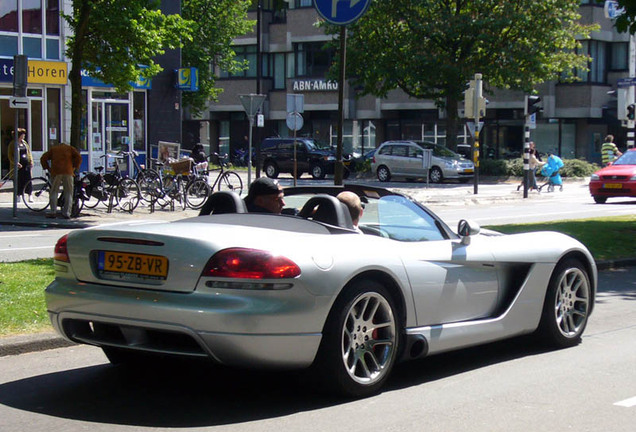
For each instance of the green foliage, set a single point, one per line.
(117, 41)
(430, 49)
(572, 168)
(22, 308)
(214, 25)
(578, 168)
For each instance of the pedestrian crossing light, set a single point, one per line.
(532, 105)
(631, 115)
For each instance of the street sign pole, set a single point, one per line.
(252, 104)
(341, 13)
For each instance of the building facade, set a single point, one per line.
(575, 116)
(111, 121)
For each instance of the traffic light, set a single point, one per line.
(631, 115)
(532, 104)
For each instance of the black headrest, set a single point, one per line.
(223, 202)
(327, 209)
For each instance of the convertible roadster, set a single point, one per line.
(306, 290)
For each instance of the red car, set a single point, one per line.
(615, 180)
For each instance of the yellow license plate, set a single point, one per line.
(468, 171)
(153, 266)
(613, 186)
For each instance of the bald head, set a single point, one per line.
(353, 203)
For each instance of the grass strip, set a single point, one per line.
(606, 238)
(22, 307)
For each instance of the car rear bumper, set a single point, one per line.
(227, 328)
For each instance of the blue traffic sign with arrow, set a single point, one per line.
(341, 12)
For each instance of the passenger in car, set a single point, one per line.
(265, 196)
(353, 203)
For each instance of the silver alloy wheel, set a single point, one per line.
(572, 302)
(369, 338)
(383, 174)
(436, 175)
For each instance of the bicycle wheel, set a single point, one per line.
(230, 181)
(92, 190)
(127, 194)
(149, 183)
(40, 196)
(196, 193)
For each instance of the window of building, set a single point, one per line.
(618, 56)
(9, 16)
(597, 52)
(303, 3)
(279, 71)
(53, 116)
(31, 16)
(40, 28)
(312, 59)
(243, 53)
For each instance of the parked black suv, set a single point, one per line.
(277, 155)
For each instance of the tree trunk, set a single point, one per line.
(452, 121)
(75, 76)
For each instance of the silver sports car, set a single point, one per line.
(306, 290)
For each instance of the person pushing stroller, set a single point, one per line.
(551, 172)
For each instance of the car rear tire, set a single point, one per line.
(384, 175)
(317, 172)
(567, 305)
(361, 341)
(600, 199)
(436, 175)
(270, 169)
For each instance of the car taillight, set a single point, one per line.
(61, 251)
(250, 264)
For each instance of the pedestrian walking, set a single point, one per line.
(61, 160)
(609, 151)
(25, 162)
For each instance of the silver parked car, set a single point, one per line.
(309, 291)
(404, 159)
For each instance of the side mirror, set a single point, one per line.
(466, 229)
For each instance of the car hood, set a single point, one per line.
(617, 170)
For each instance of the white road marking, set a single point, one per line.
(627, 403)
(27, 248)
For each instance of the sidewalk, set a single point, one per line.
(430, 194)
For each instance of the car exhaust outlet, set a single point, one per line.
(416, 346)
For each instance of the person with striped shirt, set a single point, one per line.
(609, 151)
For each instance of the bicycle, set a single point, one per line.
(226, 179)
(41, 192)
(113, 189)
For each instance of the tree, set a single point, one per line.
(215, 23)
(116, 41)
(430, 49)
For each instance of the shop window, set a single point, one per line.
(32, 47)
(53, 116)
(8, 17)
(31, 16)
(36, 125)
(139, 121)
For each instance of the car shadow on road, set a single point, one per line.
(187, 394)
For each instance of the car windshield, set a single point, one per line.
(628, 158)
(438, 150)
(392, 216)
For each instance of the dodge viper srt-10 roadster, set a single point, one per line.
(307, 290)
